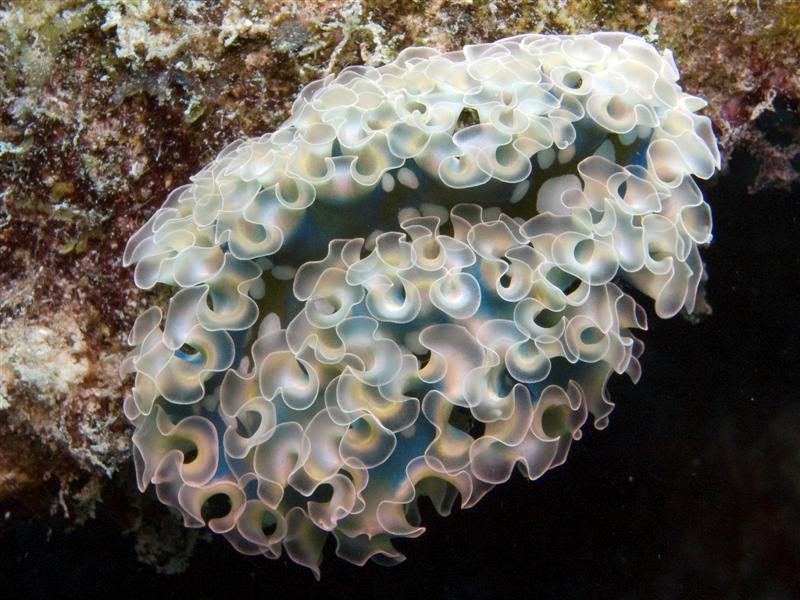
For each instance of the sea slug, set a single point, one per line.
(412, 287)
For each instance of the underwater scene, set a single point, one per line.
(370, 299)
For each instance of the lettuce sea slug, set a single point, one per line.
(413, 287)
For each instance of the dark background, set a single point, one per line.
(693, 491)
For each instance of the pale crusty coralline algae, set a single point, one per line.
(410, 288)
